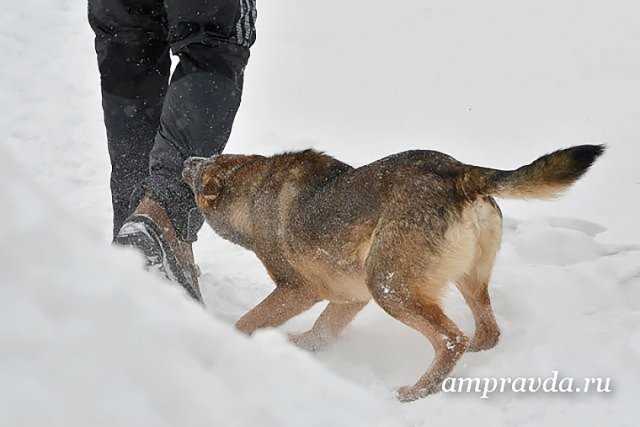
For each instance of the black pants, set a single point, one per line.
(152, 124)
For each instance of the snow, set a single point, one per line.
(87, 338)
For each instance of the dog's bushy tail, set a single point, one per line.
(545, 178)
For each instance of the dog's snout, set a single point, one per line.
(190, 168)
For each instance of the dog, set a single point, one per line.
(398, 230)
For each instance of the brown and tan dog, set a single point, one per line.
(397, 230)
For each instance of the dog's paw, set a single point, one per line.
(308, 341)
(411, 393)
(484, 340)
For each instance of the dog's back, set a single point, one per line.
(418, 187)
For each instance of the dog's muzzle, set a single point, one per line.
(191, 169)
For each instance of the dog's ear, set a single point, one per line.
(211, 187)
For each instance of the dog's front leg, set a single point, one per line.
(281, 305)
(329, 325)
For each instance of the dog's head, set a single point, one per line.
(209, 177)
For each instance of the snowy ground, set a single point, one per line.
(86, 338)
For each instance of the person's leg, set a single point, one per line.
(134, 63)
(212, 40)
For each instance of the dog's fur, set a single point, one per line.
(397, 230)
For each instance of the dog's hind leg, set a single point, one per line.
(476, 294)
(474, 285)
(281, 305)
(407, 285)
(448, 341)
(329, 325)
